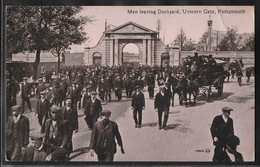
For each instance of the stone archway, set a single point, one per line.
(97, 58)
(112, 42)
(130, 54)
(123, 43)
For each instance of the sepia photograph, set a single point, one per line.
(129, 84)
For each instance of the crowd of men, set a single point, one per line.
(60, 94)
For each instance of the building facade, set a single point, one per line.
(152, 51)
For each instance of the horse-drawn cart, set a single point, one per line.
(201, 80)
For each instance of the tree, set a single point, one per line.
(230, 42)
(181, 39)
(38, 27)
(203, 42)
(249, 43)
(189, 45)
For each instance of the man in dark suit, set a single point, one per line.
(15, 88)
(118, 88)
(221, 127)
(40, 88)
(36, 152)
(56, 136)
(151, 85)
(138, 105)
(17, 134)
(25, 94)
(42, 111)
(92, 110)
(103, 136)
(162, 105)
(71, 115)
(128, 86)
(73, 94)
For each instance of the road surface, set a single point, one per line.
(188, 136)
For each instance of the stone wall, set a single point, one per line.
(247, 56)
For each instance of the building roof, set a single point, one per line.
(131, 27)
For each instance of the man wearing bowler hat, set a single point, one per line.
(103, 138)
(92, 110)
(138, 105)
(36, 152)
(221, 127)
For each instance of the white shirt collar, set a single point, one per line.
(16, 119)
(54, 122)
(225, 118)
(40, 148)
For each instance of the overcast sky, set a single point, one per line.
(193, 24)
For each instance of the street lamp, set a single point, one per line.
(209, 33)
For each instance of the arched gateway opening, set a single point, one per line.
(130, 54)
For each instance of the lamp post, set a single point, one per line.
(209, 33)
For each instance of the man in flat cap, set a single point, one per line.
(42, 111)
(71, 115)
(138, 105)
(92, 110)
(40, 87)
(103, 136)
(36, 152)
(162, 105)
(25, 94)
(221, 127)
(56, 136)
(17, 134)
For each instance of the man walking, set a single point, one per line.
(56, 136)
(103, 138)
(92, 110)
(162, 105)
(138, 105)
(71, 115)
(25, 95)
(17, 134)
(42, 111)
(221, 127)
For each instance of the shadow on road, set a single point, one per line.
(237, 99)
(174, 112)
(149, 124)
(79, 152)
(215, 97)
(173, 126)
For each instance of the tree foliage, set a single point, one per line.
(249, 44)
(230, 42)
(183, 42)
(203, 42)
(44, 28)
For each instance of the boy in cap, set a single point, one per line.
(17, 134)
(103, 136)
(221, 127)
(138, 105)
(36, 152)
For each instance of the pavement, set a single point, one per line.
(188, 136)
